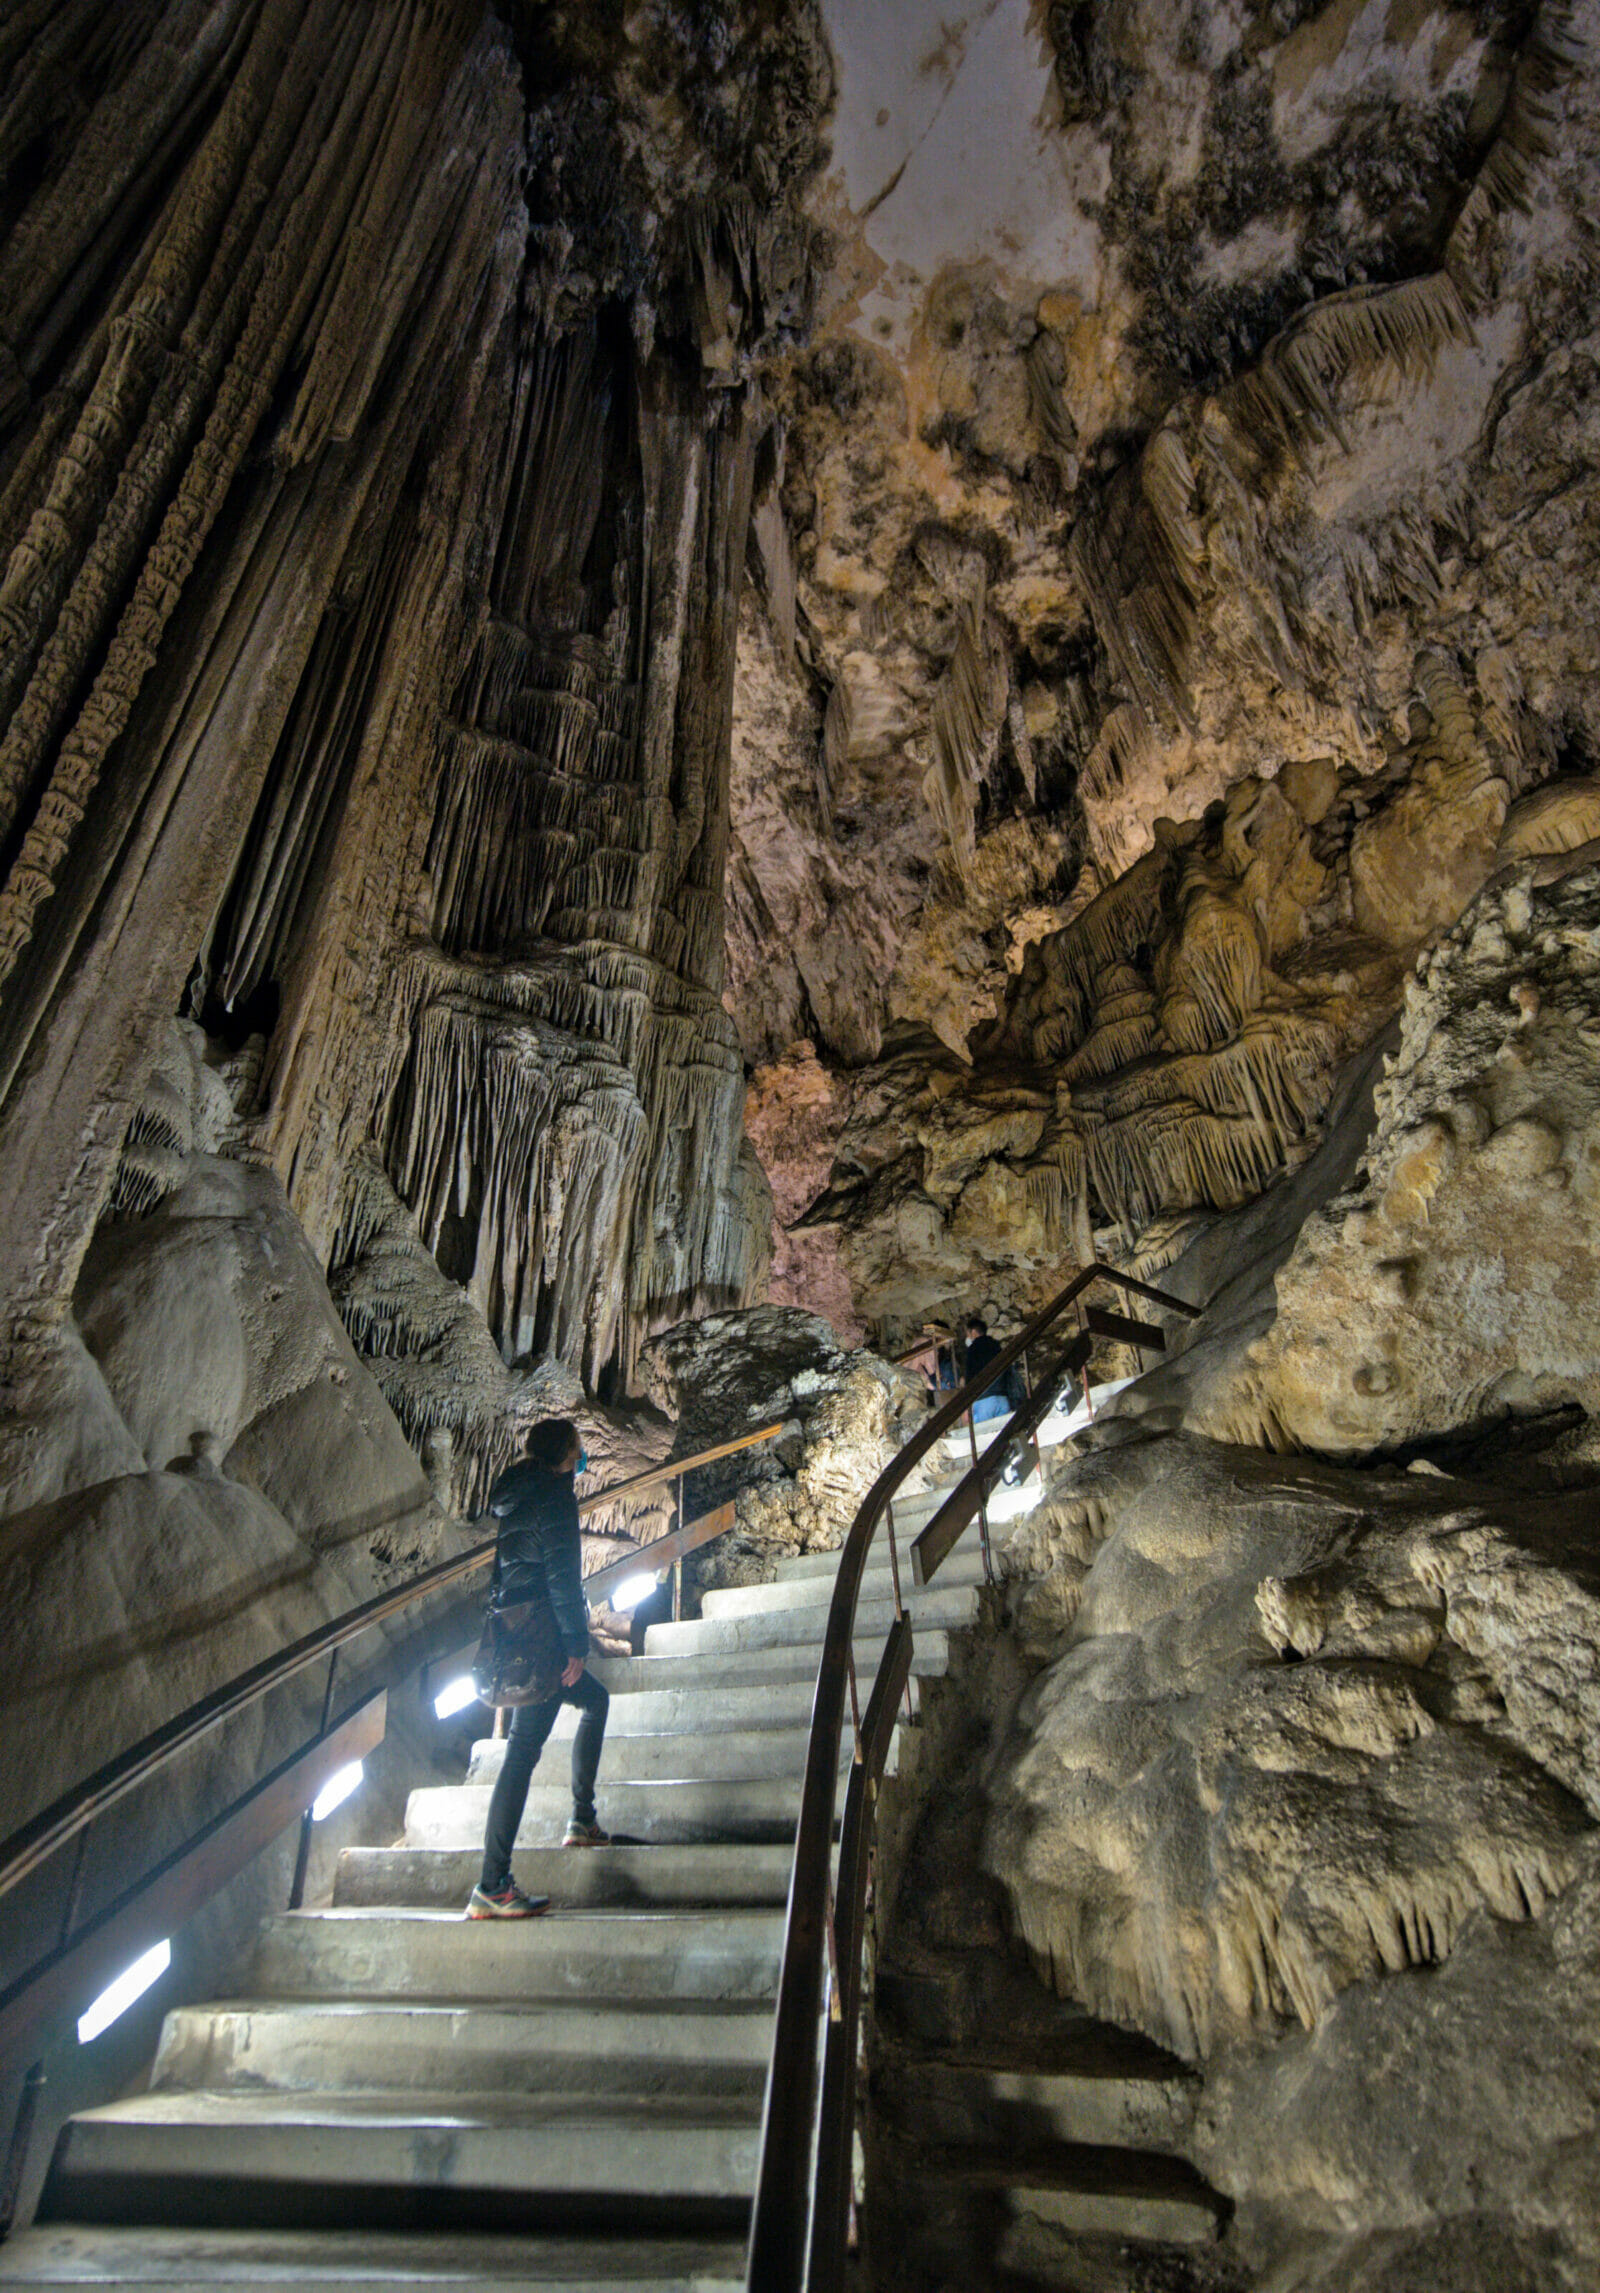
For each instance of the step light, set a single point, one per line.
(337, 1790)
(455, 1696)
(632, 1590)
(117, 1997)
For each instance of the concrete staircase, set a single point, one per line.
(401, 2097)
(1019, 2143)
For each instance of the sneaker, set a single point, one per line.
(585, 1835)
(507, 1902)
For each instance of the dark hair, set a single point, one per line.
(548, 1442)
(977, 1322)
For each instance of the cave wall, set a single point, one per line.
(378, 432)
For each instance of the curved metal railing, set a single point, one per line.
(36, 1841)
(799, 2226)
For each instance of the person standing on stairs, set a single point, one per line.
(539, 1553)
(981, 1351)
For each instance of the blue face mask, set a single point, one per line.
(582, 1466)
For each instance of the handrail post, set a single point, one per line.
(894, 1563)
(20, 2144)
(983, 1502)
(835, 1994)
(74, 1895)
(302, 1857)
(677, 1566)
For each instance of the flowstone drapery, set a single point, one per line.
(376, 501)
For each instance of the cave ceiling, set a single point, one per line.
(1057, 248)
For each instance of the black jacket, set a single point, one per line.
(539, 1548)
(981, 1351)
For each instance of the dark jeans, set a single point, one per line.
(530, 1729)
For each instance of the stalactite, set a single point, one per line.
(775, 547)
(1149, 553)
(969, 708)
(1047, 373)
(1140, 595)
(271, 329)
(1110, 931)
(1211, 972)
(1121, 748)
(834, 749)
(1552, 52)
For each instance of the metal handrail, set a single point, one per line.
(34, 1842)
(785, 2252)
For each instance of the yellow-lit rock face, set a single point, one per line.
(1558, 817)
(1463, 1277)
(1293, 1727)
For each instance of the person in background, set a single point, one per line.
(940, 1372)
(981, 1351)
(540, 1552)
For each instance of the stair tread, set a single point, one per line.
(226, 2107)
(708, 1876)
(514, 2002)
(67, 2254)
(1093, 2050)
(1089, 2167)
(559, 1915)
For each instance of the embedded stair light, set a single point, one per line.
(118, 1996)
(337, 1790)
(455, 1696)
(631, 1591)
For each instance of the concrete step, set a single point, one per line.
(590, 1878)
(243, 2160)
(317, 2261)
(565, 1955)
(805, 1626)
(708, 1755)
(963, 1567)
(761, 1810)
(671, 1711)
(805, 1568)
(745, 1667)
(1093, 2191)
(952, 2004)
(597, 2047)
(1109, 2097)
(1007, 1503)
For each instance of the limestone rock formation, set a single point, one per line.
(793, 1110)
(845, 1413)
(1280, 1747)
(375, 519)
(198, 1469)
(1171, 1049)
(1481, 2176)
(1453, 1283)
